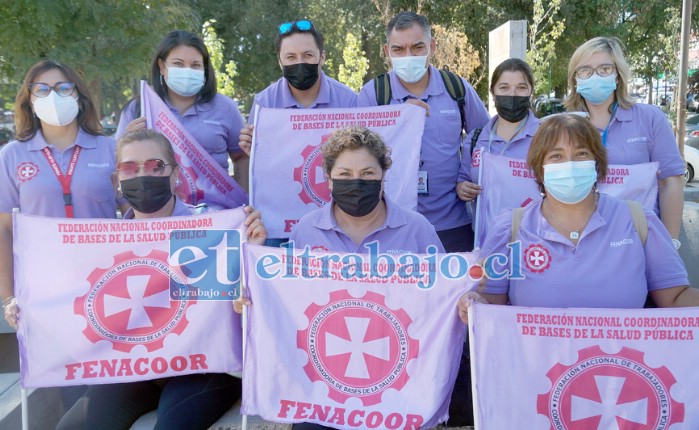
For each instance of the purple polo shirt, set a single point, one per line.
(332, 94)
(643, 134)
(404, 231)
(517, 148)
(440, 144)
(28, 182)
(180, 209)
(215, 125)
(610, 267)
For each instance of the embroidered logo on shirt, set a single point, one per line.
(447, 111)
(27, 171)
(637, 139)
(208, 121)
(537, 258)
(98, 165)
(621, 242)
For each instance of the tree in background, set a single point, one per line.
(354, 65)
(545, 29)
(454, 52)
(224, 75)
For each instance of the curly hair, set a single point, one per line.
(353, 138)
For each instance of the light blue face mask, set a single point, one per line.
(596, 89)
(570, 182)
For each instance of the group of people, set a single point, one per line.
(61, 166)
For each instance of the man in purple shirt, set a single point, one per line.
(409, 48)
(301, 54)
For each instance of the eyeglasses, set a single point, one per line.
(63, 89)
(153, 167)
(303, 25)
(602, 70)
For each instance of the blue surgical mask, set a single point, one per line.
(570, 182)
(185, 81)
(410, 69)
(596, 89)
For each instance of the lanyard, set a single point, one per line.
(604, 134)
(64, 179)
(507, 145)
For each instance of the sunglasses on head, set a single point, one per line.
(303, 25)
(152, 167)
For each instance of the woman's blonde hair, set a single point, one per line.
(611, 46)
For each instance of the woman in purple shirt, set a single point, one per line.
(580, 248)
(632, 133)
(183, 76)
(60, 166)
(147, 173)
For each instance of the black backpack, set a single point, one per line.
(455, 88)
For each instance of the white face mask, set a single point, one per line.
(410, 69)
(185, 81)
(56, 110)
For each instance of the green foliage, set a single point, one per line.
(545, 29)
(355, 65)
(224, 76)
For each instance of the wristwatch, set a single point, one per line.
(676, 243)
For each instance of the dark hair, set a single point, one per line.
(572, 128)
(147, 134)
(317, 36)
(353, 138)
(407, 19)
(183, 38)
(512, 65)
(27, 124)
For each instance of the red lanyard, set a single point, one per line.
(64, 179)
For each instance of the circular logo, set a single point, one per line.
(129, 303)
(310, 174)
(187, 189)
(27, 171)
(358, 347)
(537, 258)
(605, 391)
(476, 158)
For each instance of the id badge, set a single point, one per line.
(422, 182)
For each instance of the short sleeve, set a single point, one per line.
(496, 241)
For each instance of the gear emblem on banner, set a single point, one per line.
(129, 303)
(187, 190)
(603, 391)
(357, 346)
(476, 158)
(310, 174)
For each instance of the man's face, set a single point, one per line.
(411, 41)
(300, 48)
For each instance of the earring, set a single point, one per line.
(161, 81)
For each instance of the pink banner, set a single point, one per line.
(352, 341)
(287, 166)
(508, 183)
(585, 369)
(203, 179)
(96, 305)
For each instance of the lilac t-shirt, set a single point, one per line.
(441, 141)
(28, 182)
(609, 268)
(643, 134)
(404, 231)
(215, 125)
(332, 94)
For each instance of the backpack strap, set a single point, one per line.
(382, 86)
(457, 91)
(517, 214)
(640, 222)
(474, 138)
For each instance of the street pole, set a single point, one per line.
(682, 90)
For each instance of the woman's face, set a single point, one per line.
(149, 159)
(356, 164)
(512, 83)
(51, 77)
(565, 151)
(596, 60)
(182, 56)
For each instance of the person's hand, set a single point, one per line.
(464, 304)
(11, 311)
(135, 125)
(418, 102)
(245, 139)
(256, 232)
(239, 303)
(467, 191)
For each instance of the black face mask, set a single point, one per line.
(356, 197)
(147, 194)
(512, 108)
(301, 76)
